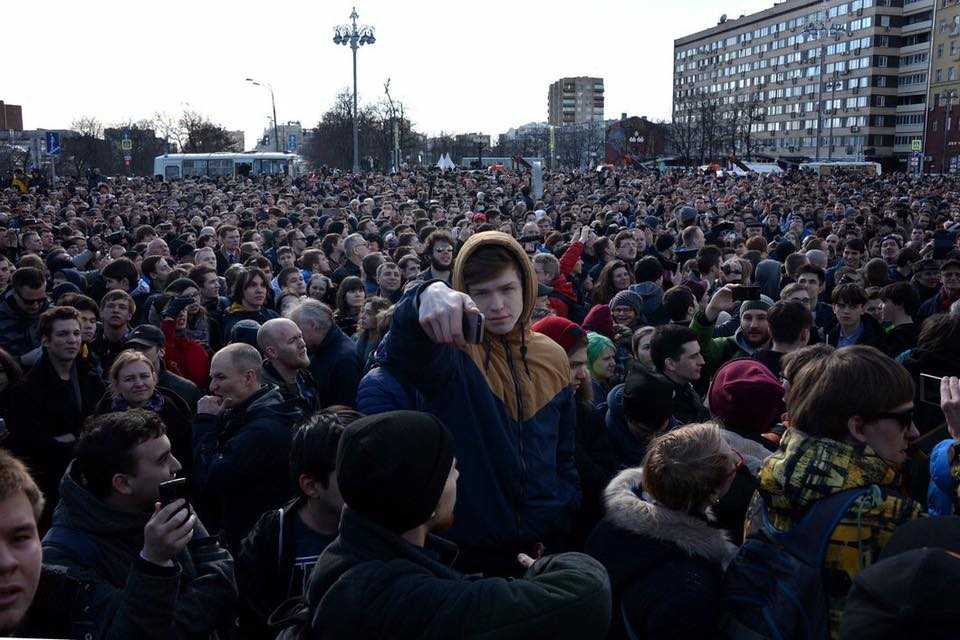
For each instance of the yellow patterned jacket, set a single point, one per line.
(805, 469)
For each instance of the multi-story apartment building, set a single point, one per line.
(942, 143)
(575, 101)
(827, 79)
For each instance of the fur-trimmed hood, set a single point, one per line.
(627, 509)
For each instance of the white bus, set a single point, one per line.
(173, 166)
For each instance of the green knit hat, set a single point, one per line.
(596, 343)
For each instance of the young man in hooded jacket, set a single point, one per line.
(507, 400)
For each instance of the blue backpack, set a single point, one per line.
(774, 588)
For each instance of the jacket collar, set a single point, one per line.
(627, 509)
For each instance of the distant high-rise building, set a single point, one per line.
(11, 117)
(575, 100)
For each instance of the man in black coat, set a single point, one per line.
(398, 477)
(241, 442)
(53, 400)
(20, 310)
(334, 363)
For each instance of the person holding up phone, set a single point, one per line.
(152, 569)
(510, 393)
(753, 334)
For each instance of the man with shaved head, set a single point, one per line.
(241, 441)
(286, 363)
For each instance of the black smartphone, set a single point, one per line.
(930, 389)
(742, 293)
(171, 490)
(473, 328)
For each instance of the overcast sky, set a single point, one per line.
(457, 66)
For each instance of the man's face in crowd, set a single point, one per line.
(687, 366)
(206, 258)
(951, 280)
(389, 278)
(231, 240)
(229, 383)
(928, 278)
(874, 307)
(289, 347)
(851, 257)
(30, 300)
(64, 341)
(754, 326)
(116, 313)
(412, 270)
(833, 241)
(627, 250)
(500, 300)
(296, 284)
(888, 436)
(442, 256)
(802, 296)
(889, 250)
(286, 260)
(88, 326)
(31, 243)
(20, 559)
(848, 315)
(155, 463)
(211, 287)
(162, 272)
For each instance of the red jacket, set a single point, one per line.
(185, 357)
(561, 284)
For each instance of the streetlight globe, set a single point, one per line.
(336, 39)
(371, 40)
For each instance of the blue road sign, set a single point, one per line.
(53, 143)
(291, 143)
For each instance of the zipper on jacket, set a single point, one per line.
(523, 464)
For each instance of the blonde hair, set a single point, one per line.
(683, 468)
(14, 477)
(126, 357)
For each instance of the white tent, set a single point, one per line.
(445, 163)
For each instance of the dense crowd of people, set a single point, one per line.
(434, 405)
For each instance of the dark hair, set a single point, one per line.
(370, 263)
(79, 302)
(198, 274)
(856, 244)
(850, 294)
(244, 277)
(440, 235)
(604, 290)
(708, 257)
(28, 277)
(348, 284)
(902, 295)
(940, 334)
(677, 302)
(788, 319)
(819, 400)
(314, 448)
(488, 262)
(285, 273)
(55, 314)
(815, 270)
(122, 269)
(667, 342)
(106, 447)
(648, 269)
(795, 360)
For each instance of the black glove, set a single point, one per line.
(176, 306)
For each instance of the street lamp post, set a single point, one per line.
(273, 103)
(354, 36)
(950, 95)
(820, 29)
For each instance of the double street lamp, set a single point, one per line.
(820, 30)
(273, 103)
(354, 36)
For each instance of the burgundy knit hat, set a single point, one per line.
(745, 397)
(562, 331)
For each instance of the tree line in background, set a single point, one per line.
(705, 130)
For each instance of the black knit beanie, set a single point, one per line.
(392, 467)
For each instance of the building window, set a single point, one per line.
(939, 50)
(952, 73)
(939, 75)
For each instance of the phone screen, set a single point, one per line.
(930, 389)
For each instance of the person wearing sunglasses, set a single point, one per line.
(664, 558)
(851, 426)
(20, 310)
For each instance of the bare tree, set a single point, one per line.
(202, 135)
(88, 148)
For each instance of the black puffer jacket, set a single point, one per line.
(371, 583)
(242, 459)
(127, 596)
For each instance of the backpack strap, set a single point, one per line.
(809, 538)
